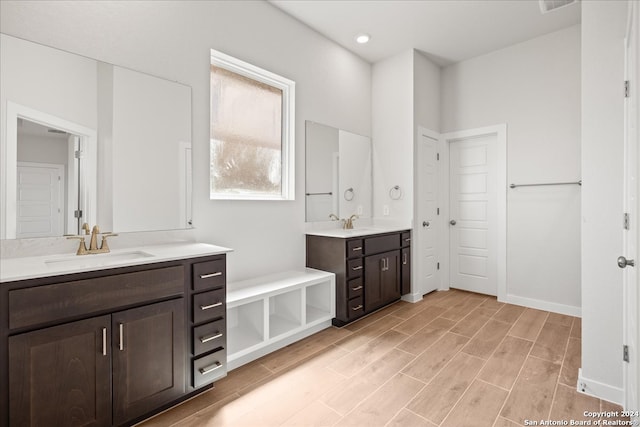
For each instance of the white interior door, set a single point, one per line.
(473, 214)
(39, 200)
(630, 236)
(427, 223)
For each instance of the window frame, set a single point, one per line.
(287, 170)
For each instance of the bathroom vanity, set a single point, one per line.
(112, 341)
(372, 267)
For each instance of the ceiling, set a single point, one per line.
(447, 31)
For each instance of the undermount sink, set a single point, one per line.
(95, 260)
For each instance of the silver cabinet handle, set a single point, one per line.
(404, 258)
(206, 276)
(408, 239)
(357, 248)
(207, 307)
(209, 369)
(357, 288)
(623, 262)
(453, 222)
(104, 341)
(356, 268)
(121, 330)
(210, 338)
(357, 307)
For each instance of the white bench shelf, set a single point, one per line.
(271, 312)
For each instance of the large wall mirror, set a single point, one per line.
(86, 141)
(338, 173)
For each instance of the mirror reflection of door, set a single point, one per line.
(47, 190)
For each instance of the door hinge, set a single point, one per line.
(625, 221)
(77, 154)
(625, 353)
(437, 156)
(77, 214)
(437, 211)
(626, 88)
(438, 266)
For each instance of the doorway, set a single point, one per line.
(475, 210)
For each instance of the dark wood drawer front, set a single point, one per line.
(374, 245)
(210, 274)
(209, 337)
(406, 238)
(354, 288)
(208, 305)
(48, 303)
(355, 308)
(209, 368)
(354, 248)
(354, 268)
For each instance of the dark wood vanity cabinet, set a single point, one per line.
(371, 271)
(110, 347)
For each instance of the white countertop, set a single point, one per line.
(356, 232)
(13, 269)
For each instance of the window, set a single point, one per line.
(251, 132)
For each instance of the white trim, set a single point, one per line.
(500, 131)
(599, 390)
(89, 161)
(288, 88)
(569, 310)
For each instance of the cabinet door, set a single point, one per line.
(391, 277)
(149, 358)
(60, 376)
(406, 271)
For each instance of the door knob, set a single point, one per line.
(452, 222)
(425, 223)
(623, 262)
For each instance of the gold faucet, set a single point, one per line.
(347, 223)
(93, 243)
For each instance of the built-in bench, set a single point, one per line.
(267, 313)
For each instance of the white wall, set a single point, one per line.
(392, 135)
(172, 39)
(426, 92)
(533, 87)
(603, 31)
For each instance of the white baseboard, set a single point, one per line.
(412, 297)
(569, 310)
(599, 390)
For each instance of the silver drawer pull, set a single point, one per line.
(408, 239)
(357, 307)
(404, 259)
(104, 341)
(210, 338)
(356, 268)
(121, 332)
(206, 276)
(357, 248)
(209, 369)
(207, 307)
(357, 288)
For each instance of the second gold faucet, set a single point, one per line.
(93, 242)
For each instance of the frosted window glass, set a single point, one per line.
(246, 135)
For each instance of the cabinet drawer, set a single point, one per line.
(374, 245)
(209, 274)
(354, 248)
(354, 268)
(208, 305)
(406, 238)
(355, 308)
(48, 303)
(354, 288)
(209, 337)
(207, 369)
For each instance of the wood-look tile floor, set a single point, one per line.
(453, 359)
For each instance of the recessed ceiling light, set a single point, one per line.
(363, 38)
